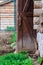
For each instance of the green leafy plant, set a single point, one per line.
(39, 60)
(13, 44)
(25, 52)
(9, 28)
(13, 38)
(16, 59)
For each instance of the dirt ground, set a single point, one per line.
(5, 46)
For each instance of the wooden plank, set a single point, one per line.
(7, 17)
(37, 4)
(8, 12)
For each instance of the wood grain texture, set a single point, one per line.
(26, 34)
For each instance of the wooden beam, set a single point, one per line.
(37, 4)
(37, 12)
(26, 5)
(5, 2)
(18, 22)
(26, 14)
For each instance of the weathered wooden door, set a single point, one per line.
(25, 33)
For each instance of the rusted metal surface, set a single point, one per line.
(26, 34)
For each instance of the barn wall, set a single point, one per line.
(8, 15)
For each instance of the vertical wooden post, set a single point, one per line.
(18, 23)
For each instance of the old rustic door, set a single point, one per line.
(25, 32)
